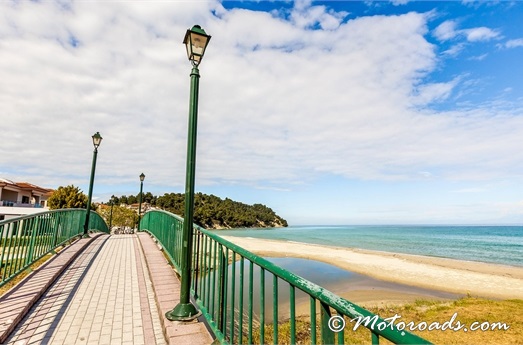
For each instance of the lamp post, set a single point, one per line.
(111, 214)
(196, 41)
(142, 177)
(97, 140)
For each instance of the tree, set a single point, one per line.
(211, 211)
(122, 216)
(131, 199)
(114, 200)
(67, 197)
(150, 198)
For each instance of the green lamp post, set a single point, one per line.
(142, 177)
(196, 41)
(97, 140)
(111, 214)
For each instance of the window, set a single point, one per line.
(25, 200)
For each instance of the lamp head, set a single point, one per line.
(142, 177)
(196, 41)
(97, 140)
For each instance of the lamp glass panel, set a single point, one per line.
(188, 47)
(97, 139)
(198, 42)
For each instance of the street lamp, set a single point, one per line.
(97, 140)
(142, 177)
(196, 41)
(111, 214)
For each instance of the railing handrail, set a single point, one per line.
(338, 303)
(26, 239)
(177, 217)
(27, 216)
(324, 296)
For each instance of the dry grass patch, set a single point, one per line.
(468, 310)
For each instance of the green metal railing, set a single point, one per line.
(24, 240)
(167, 229)
(247, 299)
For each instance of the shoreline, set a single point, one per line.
(440, 274)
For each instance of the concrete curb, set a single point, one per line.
(167, 291)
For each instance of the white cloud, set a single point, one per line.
(479, 57)
(434, 92)
(399, 2)
(480, 34)
(304, 15)
(454, 50)
(279, 102)
(514, 43)
(426, 174)
(446, 30)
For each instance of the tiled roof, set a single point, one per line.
(6, 181)
(24, 185)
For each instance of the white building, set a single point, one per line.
(21, 198)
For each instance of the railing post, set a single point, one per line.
(251, 300)
(312, 302)
(375, 338)
(327, 336)
(221, 290)
(57, 228)
(196, 258)
(31, 244)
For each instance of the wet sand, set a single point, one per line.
(399, 278)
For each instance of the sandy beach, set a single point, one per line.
(441, 274)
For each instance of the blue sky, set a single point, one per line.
(337, 112)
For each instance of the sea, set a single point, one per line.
(491, 244)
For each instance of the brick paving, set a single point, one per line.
(109, 295)
(15, 303)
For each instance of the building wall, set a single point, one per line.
(21, 198)
(9, 195)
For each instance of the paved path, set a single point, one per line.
(106, 296)
(15, 303)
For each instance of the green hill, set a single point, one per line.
(212, 212)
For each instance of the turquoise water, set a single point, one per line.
(493, 244)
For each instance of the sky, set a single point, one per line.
(329, 112)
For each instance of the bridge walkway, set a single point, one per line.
(116, 291)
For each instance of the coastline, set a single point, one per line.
(441, 274)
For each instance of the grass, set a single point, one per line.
(467, 310)
(18, 278)
(24, 240)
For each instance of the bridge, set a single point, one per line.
(117, 289)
